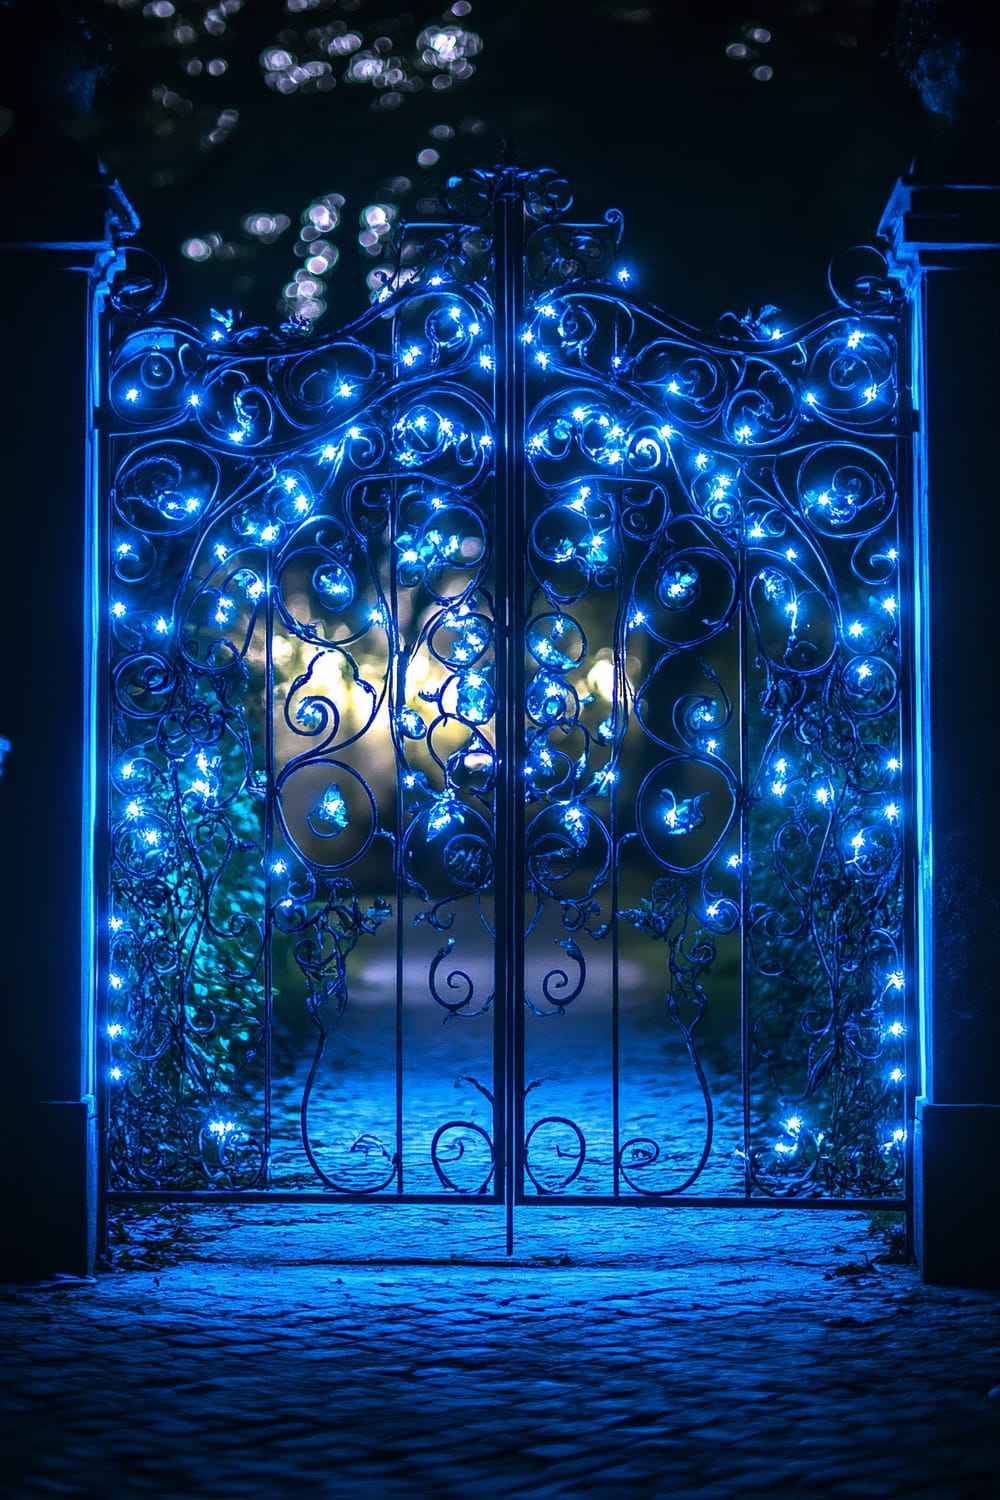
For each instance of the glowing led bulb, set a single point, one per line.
(194, 399)
(345, 389)
(118, 610)
(161, 626)
(115, 981)
(115, 1074)
(855, 630)
(624, 275)
(896, 1075)
(810, 398)
(486, 361)
(889, 605)
(896, 1028)
(329, 452)
(891, 812)
(744, 433)
(701, 460)
(132, 394)
(673, 387)
(666, 432)
(115, 1030)
(541, 358)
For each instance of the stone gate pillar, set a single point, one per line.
(60, 221)
(945, 239)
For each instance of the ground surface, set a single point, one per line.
(391, 1353)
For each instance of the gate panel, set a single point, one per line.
(504, 730)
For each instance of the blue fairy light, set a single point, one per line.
(683, 815)
(132, 394)
(333, 809)
(574, 820)
(412, 724)
(345, 389)
(445, 815)
(118, 610)
(115, 1030)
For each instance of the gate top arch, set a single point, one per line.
(514, 616)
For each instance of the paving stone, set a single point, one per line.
(716, 1357)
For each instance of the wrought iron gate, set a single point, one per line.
(504, 716)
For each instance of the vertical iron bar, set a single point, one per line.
(909, 543)
(618, 707)
(510, 590)
(269, 796)
(397, 695)
(744, 866)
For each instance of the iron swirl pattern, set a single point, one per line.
(301, 706)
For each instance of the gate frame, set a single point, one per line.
(946, 244)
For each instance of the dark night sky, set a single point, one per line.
(736, 191)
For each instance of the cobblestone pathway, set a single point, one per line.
(668, 1354)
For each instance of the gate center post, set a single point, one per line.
(509, 238)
